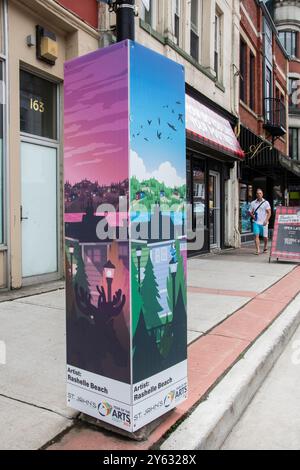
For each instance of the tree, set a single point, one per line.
(80, 278)
(147, 360)
(150, 296)
(180, 281)
(178, 352)
(136, 304)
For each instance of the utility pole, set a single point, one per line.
(125, 12)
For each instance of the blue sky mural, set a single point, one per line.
(157, 117)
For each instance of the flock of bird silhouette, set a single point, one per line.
(142, 132)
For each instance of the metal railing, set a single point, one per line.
(275, 114)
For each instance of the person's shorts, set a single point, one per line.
(261, 230)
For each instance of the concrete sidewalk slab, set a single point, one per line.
(24, 427)
(35, 371)
(209, 360)
(205, 311)
(54, 299)
(212, 420)
(277, 405)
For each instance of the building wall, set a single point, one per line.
(287, 18)
(252, 33)
(86, 10)
(74, 37)
(159, 35)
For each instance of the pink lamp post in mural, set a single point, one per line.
(71, 252)
(109, 273)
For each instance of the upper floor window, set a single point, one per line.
(147, 14)
(293, 143)
(243, 70)
(289, 41)
(293, 92)
(218, 44)
(252, 76)
(176, 4)
(195, 29)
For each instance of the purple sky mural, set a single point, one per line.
(96, 117)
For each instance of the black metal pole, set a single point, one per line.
(125, 11)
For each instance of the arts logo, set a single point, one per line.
(169, 399)
(104, 408)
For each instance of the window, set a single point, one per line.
(252, 82)
(268, 94)
(293, 143)
(293, 94)
(217, 44)
(243, 70)
(147, 15)
(176, 20)
(1, 156)
(289, 41)
(195, 29)
(38, 107)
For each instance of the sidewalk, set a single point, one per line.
(231, 301)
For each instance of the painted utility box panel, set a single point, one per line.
(125, 190)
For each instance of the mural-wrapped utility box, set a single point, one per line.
(125, 191)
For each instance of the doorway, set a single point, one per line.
(214, 210)
(39, 155)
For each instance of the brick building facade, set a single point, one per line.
(263, 76)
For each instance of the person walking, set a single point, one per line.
(260, 213)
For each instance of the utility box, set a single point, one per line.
(125, 235)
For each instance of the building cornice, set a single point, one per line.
(65, 19)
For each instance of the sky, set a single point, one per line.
(97, 123)
(96, 116)
(157, 117)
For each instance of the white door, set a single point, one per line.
(39, 209)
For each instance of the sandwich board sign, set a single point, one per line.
(125, 235)
(286, 235)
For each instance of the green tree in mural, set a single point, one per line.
(137, 302)
(79, 276)
(150, 296)
(178, 352)
(180, 282)
(147, 360)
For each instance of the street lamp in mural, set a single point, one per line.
(71, 252)
(139, 255)
(109, 272)
(173, 270)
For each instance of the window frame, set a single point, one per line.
(218, 26)
(243, 71)
(290, 35)
(195, 31)
(293, 131)
(252, 80)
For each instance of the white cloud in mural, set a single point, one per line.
(166, 172)
(89, 162)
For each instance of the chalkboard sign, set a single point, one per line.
(286, 236)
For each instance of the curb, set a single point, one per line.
(210, 423)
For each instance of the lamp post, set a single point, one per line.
(139, 255)
(173, 269)
(71, 252)
(109, 272)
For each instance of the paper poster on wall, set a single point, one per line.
(125, 235)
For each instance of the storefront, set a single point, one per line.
(266, 168)
(212, 155)
(35, 41)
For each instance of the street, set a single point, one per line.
(272, 420)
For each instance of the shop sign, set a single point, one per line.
(210, 126)
(286, 235)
